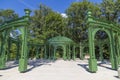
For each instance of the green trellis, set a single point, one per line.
(114, 40)
(5, 29)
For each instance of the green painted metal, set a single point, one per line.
(23, 58)
(92, 60)
(74, 55)
(54, 54)
(5, 30)
(45, 51)
(64, 51)
(3, 49)
(63, 42)
(111, 29)
(69, 54)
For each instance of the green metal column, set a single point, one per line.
(92, 60)
(118, 49)
(49, 52)
(23, 59)
(113, 57)
(64, 52)
(69, 53)
(54, 53)
(74, 54)
(45, 53)
(3, 50)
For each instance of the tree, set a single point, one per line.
(6, 15)
(46, 24)
(56, 23)
(107, 9)
(37, 23)
(76, 18)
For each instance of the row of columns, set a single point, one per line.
(50, 52)
(66, 52)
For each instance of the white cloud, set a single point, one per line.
(64, 15)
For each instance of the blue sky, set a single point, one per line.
(19, 5)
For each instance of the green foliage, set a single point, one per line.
(108, 10)
(13, 51)
(6, 15)
(76, 18)
(57, 55)
(46, 24)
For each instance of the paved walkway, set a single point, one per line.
(58, 70)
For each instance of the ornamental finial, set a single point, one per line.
(89, 13)
(27, 12)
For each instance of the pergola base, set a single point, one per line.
(2, 63)
(93, 65)
(23, 65)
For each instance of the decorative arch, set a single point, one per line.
(102, 29)
(111, 30)
(65, 43)
(5, 29)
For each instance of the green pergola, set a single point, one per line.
(5, 29)
(65, 43)
(113, 32)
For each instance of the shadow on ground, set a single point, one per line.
(1, 75)
(11, 64)
(102, 64)
(37, 63)
(32, 63)
(116, 77)
(84, 66)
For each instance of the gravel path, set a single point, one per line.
(58, 70)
